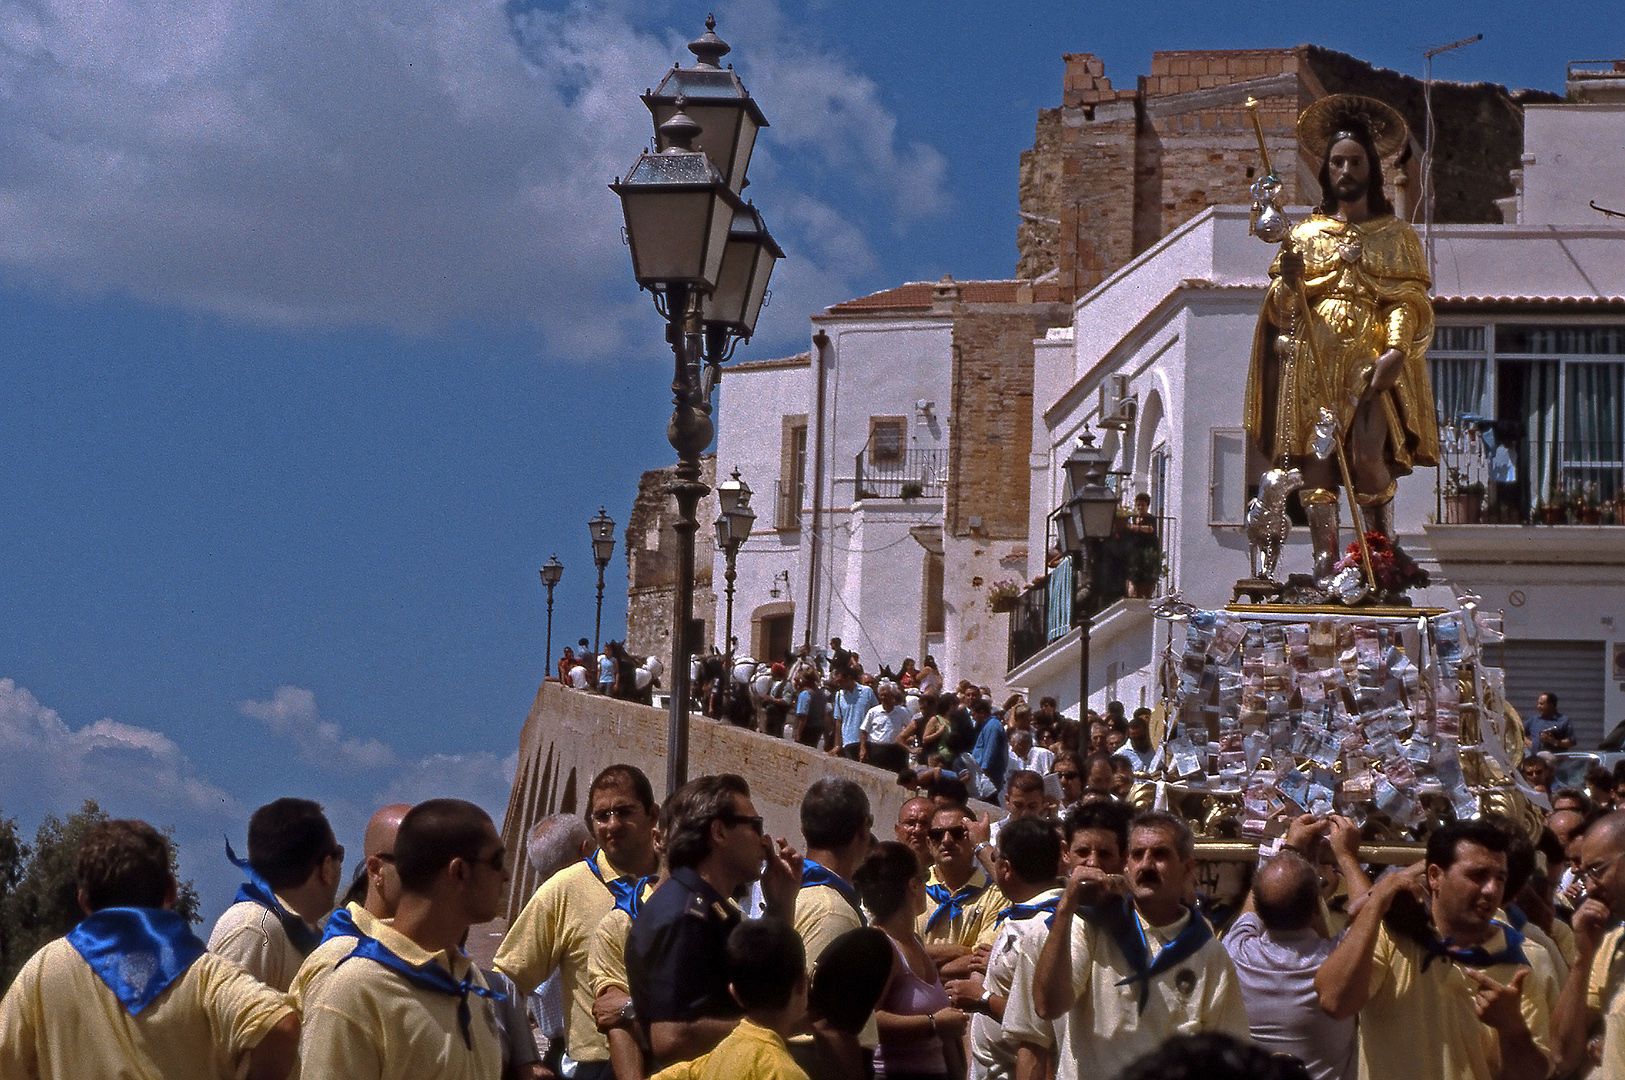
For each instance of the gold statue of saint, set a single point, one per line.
(1345, 329)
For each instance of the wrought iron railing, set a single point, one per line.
(1486, 477)
(914, 474)
(1127, 563)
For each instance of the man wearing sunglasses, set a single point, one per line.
(1592, 989)
(676, 955)
(408, 1004)
(963, 896)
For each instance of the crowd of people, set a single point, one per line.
(1067, 938)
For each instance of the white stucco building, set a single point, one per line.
(881, 461)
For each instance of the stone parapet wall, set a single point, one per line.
(571, 735)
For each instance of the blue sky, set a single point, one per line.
(316, 339)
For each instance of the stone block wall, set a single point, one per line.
(569, 736)
(1112, 171)
(651, 564)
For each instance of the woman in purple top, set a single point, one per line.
(919, 1034)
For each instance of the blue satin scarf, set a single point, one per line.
(341, 924)
(1027, 911)
(137, 952)
(816, 873)
(1117, 919)
(951, 903)
(1476, 955)
(256, 890)
(628, 892)
(428, 976)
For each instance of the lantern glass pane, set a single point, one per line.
(1099, 516)
(727, 303)
(667, 230)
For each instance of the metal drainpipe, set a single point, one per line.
(820, 342)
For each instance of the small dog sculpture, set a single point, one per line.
(1267, 523)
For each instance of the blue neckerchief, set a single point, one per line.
(628, 892)
(815, 873)
(428, 976)
(1515, 917)
(950, 903)
(1027, 911)
(1476, 955)
(256, 890)
(137, 952)
(341, 924)
(1118, 920)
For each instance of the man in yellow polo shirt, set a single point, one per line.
(1455, 996)
(409, 1005)
(350, 923)
(963, 897)
(131, 991)
(555, 928)
(293, 868)
(1592, 990)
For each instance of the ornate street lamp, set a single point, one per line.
(706, 257)
(552, 571)
(602, 529)
(1083, 521)
(733, 527)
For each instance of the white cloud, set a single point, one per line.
(409, 164)
(48, 767)
(291, 714)
(481, 777)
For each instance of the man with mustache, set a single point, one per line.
(1127, 963)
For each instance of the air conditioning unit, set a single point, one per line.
(1116, 404)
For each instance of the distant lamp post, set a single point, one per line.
(552, 571)
(1083, 520)
(705, 255)
(602, 529)
(733, 526)
(775, 592)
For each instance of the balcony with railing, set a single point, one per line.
(1488, 477)
(1129, 563)
(911, 474)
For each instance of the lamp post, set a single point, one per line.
(602, 529)
(706, 257)
(552, 571)
(1084, 520)
(733, 526)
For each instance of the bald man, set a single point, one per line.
(346, 924)
(913, 828)
(1592, 989)
(1277, 944)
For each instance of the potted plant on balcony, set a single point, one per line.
(1003, 596)
(1554, 511)
(1463, 501)
(1587, 505)
(911, 491)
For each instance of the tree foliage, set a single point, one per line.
(38, 895)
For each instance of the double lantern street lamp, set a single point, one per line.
(733, 527)
(1083, 521)
(602, 529)
(552, 571)
(705, 255)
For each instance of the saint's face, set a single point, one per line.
(1349, 170)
